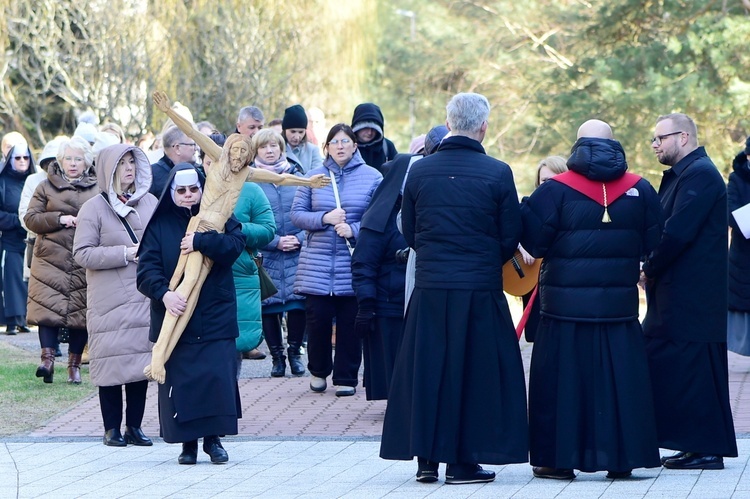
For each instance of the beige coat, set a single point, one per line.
(117, 314)
(57, 285)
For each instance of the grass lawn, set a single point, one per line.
(25, 401)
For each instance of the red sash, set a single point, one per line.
(594, 190)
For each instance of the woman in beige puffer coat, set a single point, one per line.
(57, 285)
(109, 230)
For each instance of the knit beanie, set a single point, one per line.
(294, 117)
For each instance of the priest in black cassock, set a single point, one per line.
(590, 403)
(457, 394)
(686, 287)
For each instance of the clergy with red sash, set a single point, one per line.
(590, 405)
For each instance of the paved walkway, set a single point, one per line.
(297, 444)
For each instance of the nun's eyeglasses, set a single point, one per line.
(183, 190)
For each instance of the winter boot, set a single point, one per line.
(47, 368)
(279, 362)
(74, 368)
(295, 359)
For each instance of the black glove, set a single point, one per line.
(365, 320)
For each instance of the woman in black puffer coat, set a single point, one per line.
(738, 195)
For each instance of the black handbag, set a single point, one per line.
(29, 250)
(267, 287)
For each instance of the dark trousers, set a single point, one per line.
(295, 326)
(110, 400)
(76, 343)
(321, 310)
(14, 289)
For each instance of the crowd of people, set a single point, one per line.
(397, 260)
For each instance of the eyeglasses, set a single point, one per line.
(71, 159)
(659, 138)
(19, 158)
(183, 190)
(343, 142)
(193, 145)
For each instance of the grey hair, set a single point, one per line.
(172, 136)
(80, 144)
(251, 112)
(467, 112)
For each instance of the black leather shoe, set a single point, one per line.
(467, 473)
(615, 475)
(58, 353)
(695, 461)
(553, 473)
(23, 329)
(673, 456)
(427, 471)
(113, 438)
(135, 436)
(189, 453)
(11, 330)
(212, 447)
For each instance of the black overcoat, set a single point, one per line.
(738, 195)
(687, 271)
(457, 393)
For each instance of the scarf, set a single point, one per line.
(280, 166)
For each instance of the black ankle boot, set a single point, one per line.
(278, 370)
(212, 446)
(295, 359)
(189, 453)
(113, 438)
(134, 435)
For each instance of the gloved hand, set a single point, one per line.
(365, 320)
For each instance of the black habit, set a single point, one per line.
(200, 396)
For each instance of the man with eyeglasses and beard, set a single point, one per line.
(178, 148)
(686, 287)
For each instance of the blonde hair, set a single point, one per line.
(264, 137)
(114, 129)
(557, 164)
(116, 178)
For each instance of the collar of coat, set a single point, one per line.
(461, 142)
(681, 166)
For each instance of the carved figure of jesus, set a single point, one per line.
(224, 181)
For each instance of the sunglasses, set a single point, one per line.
(183, 190)
(19, 158)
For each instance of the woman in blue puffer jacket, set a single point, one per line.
(281, 256)
(324, 273)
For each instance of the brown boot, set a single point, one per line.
(74, 368)
(85, 355)
(47, 368)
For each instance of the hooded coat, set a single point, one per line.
(590, 401)
(738, 195)
(12, 232)
(117, 315)
(559, 224)
(57, 286)
(379, 150)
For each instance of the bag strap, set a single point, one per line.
(124, 222)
